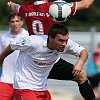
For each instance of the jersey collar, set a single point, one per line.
(39, 2)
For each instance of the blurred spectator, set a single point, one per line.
(93, 71)
(7, 75)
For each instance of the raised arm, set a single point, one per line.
(4, 54)
(12, 5)
(84, 4)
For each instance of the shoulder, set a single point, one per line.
(38, 38)
(25, 6)
(27, 3)
(35, 40)
(73, 6)
(25, 32)
(6, 34)
(70, 42)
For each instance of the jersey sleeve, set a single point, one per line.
(20, 11)
(73, 48)
(21, 44)
(73, 6)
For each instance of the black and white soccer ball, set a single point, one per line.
(60, 11)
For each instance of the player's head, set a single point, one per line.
(12, 15)
(15, 22)
(57, 29)
(58, 37)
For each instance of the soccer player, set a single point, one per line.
(7, 75)
(92, 71)
(37, 16)
(38, 54)
(38, 22)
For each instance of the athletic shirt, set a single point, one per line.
(36, 60)
(92, 69)
(37, 17)
(7, 75)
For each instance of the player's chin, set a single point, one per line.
(61, 49)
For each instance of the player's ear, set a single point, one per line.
(50, 38)
(22, 22)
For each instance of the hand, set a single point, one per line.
(12, 5)
(9, 3)
(77, 69)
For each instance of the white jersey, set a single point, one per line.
(36, 60)
(7, 75)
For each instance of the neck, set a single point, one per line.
(50, 45)
(16, 32)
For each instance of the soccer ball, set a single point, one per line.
(60, 11)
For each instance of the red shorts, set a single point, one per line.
(27, 94)
(6, 91)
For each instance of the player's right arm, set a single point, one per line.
(84, 4)
(12, 5)
(4, 54)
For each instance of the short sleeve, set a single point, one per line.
(21, 44)
(73, 48)
(73, 6)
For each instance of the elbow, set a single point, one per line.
(82, 5)
(86, 6)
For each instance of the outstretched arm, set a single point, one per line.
(84, 4)
(4, 54)
(12, 5)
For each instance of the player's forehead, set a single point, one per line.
(62, 37)
(13, 15)
(15, 18)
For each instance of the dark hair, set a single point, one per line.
(57, 29)
(12, 15)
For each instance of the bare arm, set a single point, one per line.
(12, 5)
(79, 65)
(4, 54)
(84, 4)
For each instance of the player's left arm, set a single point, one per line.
(84, 4)
(80, 5)
(13, 5)
(4, 54)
